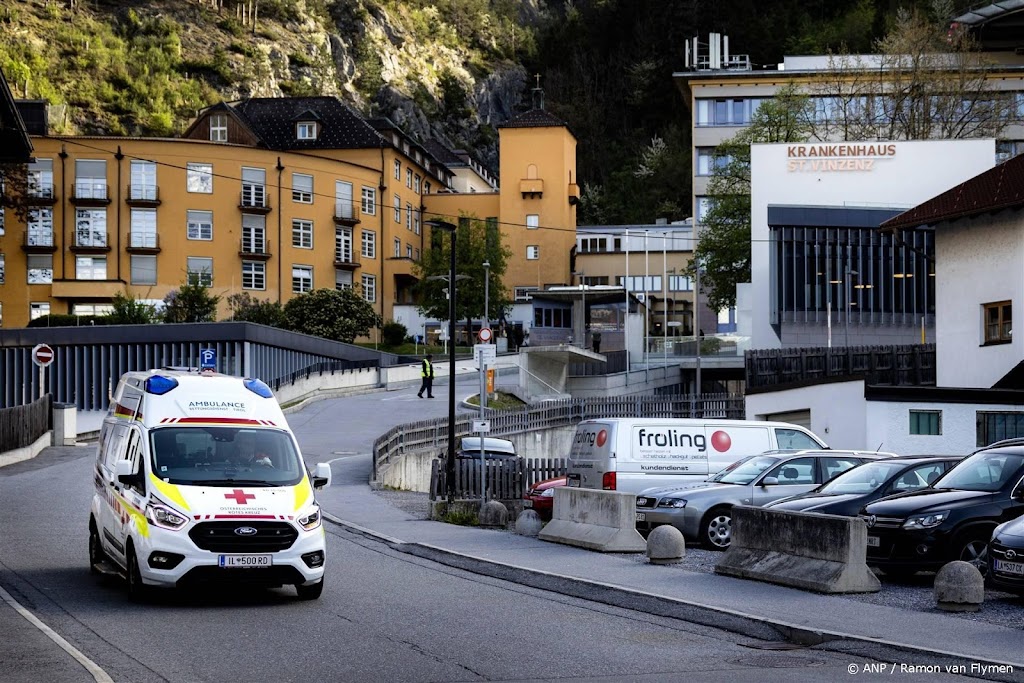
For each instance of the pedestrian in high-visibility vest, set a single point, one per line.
(427, 372)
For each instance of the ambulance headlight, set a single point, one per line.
(311, 520)
(164, 517)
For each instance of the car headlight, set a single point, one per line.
(310, 520)
(926, 521)
(547, 493)
(165, 517)
(672, 503)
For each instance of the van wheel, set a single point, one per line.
(96, 554)
(973, 548)
(137, 591)
(716, 528)
(310, 592)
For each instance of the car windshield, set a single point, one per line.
(749, 469)
(982, 472)
(867, 478)
(225, 456)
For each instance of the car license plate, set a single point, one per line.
(641, 516)
(245, 561)
(873, 541)
(573, 479)
(1009, 567)
(527, 503)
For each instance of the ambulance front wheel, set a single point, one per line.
(137, 591)
(96, 554)
(311, 592)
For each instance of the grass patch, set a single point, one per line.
(461, 517)
(499, 401)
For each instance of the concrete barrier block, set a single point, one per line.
(493, 514)
(598, 520)
(822, 553)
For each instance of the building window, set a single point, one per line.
(40, 269)
(370, 288)
(416, 222)
(254, 187)
(305, 130)
(218, 128)
(302, 188)
(200, 225)
(91, 268)
(408, 178)
(254, 234)
(342, 280)
(416, 253)
(416, 183)
(408, 216)
(2, 269)
(254, 275)
(426, 187)
(680, 283)
(343, 245)
(369, 244)
(199, 178)
(143, 270)
(91, 227)
(90, 179)
(640, 283)
(727, 111)
(200, 271)
(40, 179)
(143, 229)
(369, 201)
(398, 209)
(302, 279)
(302, 233)
(143, 181)
(926, 422)
(994, 427)
(708, 162)
(92, 309)
(532, 252)
(398, 169)
(37, 309)
(40, 228)
(408, 253)
(398, 248)
(532, 221)
(524, 293)
(998, 322)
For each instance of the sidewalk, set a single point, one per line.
(748, 607)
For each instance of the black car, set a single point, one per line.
(1006, 557)
(952, 520)
(853, 489)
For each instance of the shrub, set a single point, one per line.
(247, 308)
(394, 333)
(190, 303)
(332, 314)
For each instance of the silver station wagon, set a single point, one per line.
(703, 512)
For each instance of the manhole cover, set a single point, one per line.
(778, 661)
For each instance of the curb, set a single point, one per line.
(743, 623)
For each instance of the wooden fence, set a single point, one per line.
(21, 425)
(506, 478)
(903, 365)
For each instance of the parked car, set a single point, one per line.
(541, 497)
(702, 512)
(853, 489)
(953, 519)
(469, 448)
(1006, 557)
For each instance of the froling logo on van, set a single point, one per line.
(671, 438)
(590, 438)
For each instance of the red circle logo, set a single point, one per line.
(721, 441)
(602, 436)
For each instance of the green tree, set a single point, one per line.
(131, 311)
(245, 307)
(477, 242)
(339, 315)
(191, 303)
(723, 247)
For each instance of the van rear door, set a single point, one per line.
(592, 454)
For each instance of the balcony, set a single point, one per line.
(531, 188)
(346, 213)
(91, 242)
(254, 250)
(38, 242)
(143, 196)
(90, 193)
(254, 199)
(345, 262)
(40, 194)
(143, 243)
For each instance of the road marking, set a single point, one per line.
(97, 673)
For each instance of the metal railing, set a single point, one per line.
(901, 365)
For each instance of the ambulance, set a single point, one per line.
(199, 480)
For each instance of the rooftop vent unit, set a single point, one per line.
(714, 55)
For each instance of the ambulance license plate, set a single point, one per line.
(245, 561)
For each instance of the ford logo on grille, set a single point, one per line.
(1010, 554)
(246, 531)
(870, 520)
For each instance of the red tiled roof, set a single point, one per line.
(996, 189)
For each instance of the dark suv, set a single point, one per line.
(951, 520)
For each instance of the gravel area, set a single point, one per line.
(907, 593)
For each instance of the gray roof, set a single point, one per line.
(273, 121)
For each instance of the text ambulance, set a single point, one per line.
(199, 479)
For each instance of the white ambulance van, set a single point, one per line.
(199, 480)
(633, 454)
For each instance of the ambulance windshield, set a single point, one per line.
(225, 456)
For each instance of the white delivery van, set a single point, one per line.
(633, 454)
(198, 479)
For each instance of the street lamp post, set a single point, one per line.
(487, 323)
(450, 462)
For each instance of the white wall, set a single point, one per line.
(978, 261)
(912, 173)
(837, 410)
(889, 423)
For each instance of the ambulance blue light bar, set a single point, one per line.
(160, 385)
(258, 387)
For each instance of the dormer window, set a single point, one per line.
(305, 130)
(219, 127)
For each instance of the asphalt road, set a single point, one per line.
(384, 615)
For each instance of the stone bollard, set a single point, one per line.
(528, 523)
(959, 587)
(494, 514)
(665, 545)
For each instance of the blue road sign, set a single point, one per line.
(208, 359)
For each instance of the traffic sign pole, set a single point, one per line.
(42, 356)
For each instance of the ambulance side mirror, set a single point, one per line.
(124, 472)
(322, 475)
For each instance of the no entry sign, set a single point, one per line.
(42, 355)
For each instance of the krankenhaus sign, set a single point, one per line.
(845, 156)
